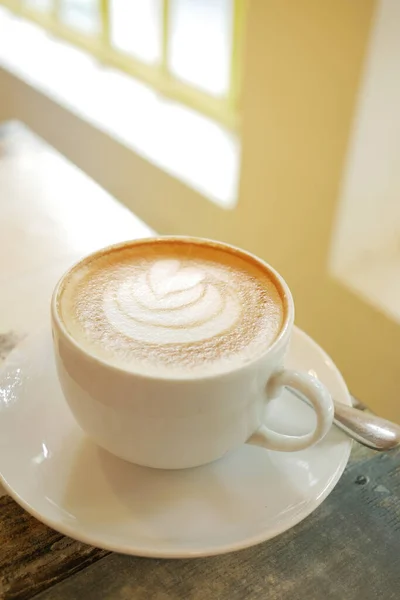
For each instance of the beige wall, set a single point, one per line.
(303, 65)
(371, 182)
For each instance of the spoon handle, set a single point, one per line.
(368, 429)
(364, 427)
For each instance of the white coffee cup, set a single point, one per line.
(174, 423)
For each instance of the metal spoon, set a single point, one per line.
(366, 428)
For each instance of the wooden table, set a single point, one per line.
(348, 549)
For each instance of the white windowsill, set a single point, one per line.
(185, 144)
(376, 279)
(365, 250)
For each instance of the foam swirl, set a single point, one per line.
(172, 306)
(170, 303)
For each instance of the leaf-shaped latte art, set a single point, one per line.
(168, 276)
(169, 303)
(173, 306)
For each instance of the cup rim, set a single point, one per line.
(276, 345)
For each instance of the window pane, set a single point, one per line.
(136, 27)
(42, 5)
(200, 43)
(81, 14)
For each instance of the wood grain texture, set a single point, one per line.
(348, 549)
(32, 556)
(8, 341)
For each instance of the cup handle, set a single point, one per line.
(318, 396)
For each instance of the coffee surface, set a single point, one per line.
(172, 307)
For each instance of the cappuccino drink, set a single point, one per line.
(168, 349)
(172, 307)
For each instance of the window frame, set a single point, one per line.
(224, 109)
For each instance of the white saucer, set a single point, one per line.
(59, 476)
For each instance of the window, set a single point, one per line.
(189, 50)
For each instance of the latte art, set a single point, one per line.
(172, 306)
(168, 303)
